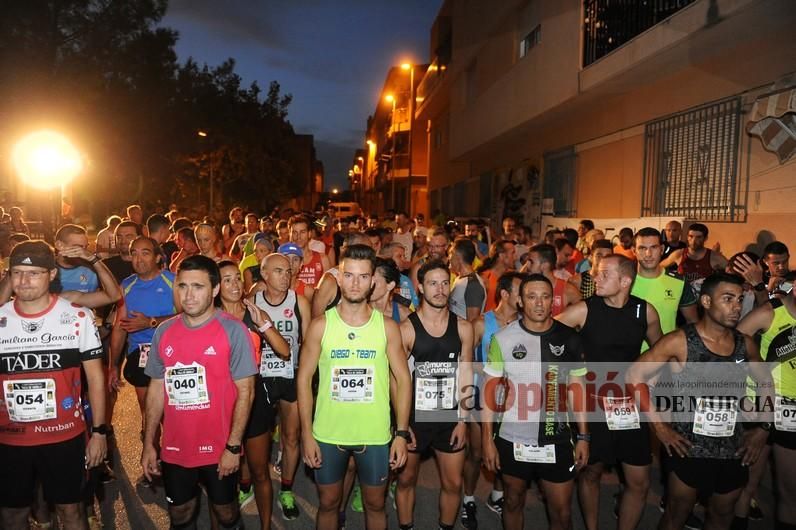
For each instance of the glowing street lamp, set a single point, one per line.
(335, 191)
(46, 160)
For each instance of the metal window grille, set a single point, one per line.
(691, 165)
(559, 181)
(608, 24)
(531, 39)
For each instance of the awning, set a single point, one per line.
(773, 120)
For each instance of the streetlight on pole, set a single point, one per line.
(411, 68)
(391, 99)
(47, 160)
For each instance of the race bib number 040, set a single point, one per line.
(187, 385)
(30, 399)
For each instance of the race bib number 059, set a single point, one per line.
(352, 384)
(30, 399)
(621, 413)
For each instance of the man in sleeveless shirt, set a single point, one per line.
(613, 324)
(290, 313)
(355, 350)
(201, 366)
(709, 451)
(440, 347)
(536, 352)
(696, 262)
(775, 322)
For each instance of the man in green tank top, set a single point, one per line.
(775, 321)
(355, 350)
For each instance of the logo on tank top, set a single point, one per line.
(67, 318)
(352, 336)
(169, 351)
(31, 326)
(668, 294)
(288, 313)
(519, 352)
(558, 351)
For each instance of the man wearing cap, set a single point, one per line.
(290, 313)
(44, 342)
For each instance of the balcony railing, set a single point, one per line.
(609, 24)
(433, 78)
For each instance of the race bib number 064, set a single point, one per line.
(352, 384)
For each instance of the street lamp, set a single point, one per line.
(389, 98)
(47, 160)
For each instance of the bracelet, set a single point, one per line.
(585, 437)
(95, 259)
(265, 327)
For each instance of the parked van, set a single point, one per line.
(346, 209)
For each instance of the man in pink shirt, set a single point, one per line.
(202, 365)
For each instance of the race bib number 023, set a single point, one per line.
(352, 384)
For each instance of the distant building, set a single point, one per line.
(309, 171)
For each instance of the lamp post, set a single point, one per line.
(391, 99)
(47, 160)
(411, 68)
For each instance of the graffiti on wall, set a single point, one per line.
(520, 196)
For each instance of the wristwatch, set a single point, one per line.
(406, 435)
(234, 449)
(583, 437)
(100, 429)
(760, 287)
(153, 322)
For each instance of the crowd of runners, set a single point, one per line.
(361, 345)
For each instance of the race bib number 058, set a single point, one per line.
(715, 418)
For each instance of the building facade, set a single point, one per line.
(628, 113)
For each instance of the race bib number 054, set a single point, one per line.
(30, 399)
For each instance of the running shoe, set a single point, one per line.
(245, 497)
(495, 506)
(356, 499)
(469, 515)
(287, 501)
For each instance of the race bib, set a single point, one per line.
(143, 354)
(785, 414)
(272, 366)
(30, 399)
(187, 385)
(544, 454)
(434, 393)
(715, 418)
(352, 384)
(621, 413)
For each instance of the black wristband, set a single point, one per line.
(94, 260)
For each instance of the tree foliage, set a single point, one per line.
(105, 71)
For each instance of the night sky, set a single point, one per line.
(331, 55)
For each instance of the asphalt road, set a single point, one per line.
(127, 505)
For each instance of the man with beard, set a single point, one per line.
(356, 351)
(290, 314)
(440, 346)
(121, 265)
(201, 366)
(695, 262)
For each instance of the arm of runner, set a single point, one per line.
(324, 294)
(717, 260)
(654, 332)
(116, 349)
(673, 259)
(758, 319)
(110, 293)
(97, 446)
(671, 348)
(754, 440)
(325, 263)
(495, 372)
(155, 401)
(272, 335)
(308, 363)
(474, 296)
(5, 289)
(399, 368)
(576, 402)
(572, 294)
(229, 462)
(459, 435)
(574, 316)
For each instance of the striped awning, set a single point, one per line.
(773, 120)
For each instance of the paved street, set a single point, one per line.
(129, 506)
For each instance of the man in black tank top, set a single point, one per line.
(710, 362)
(440, 346)
(613, 324)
